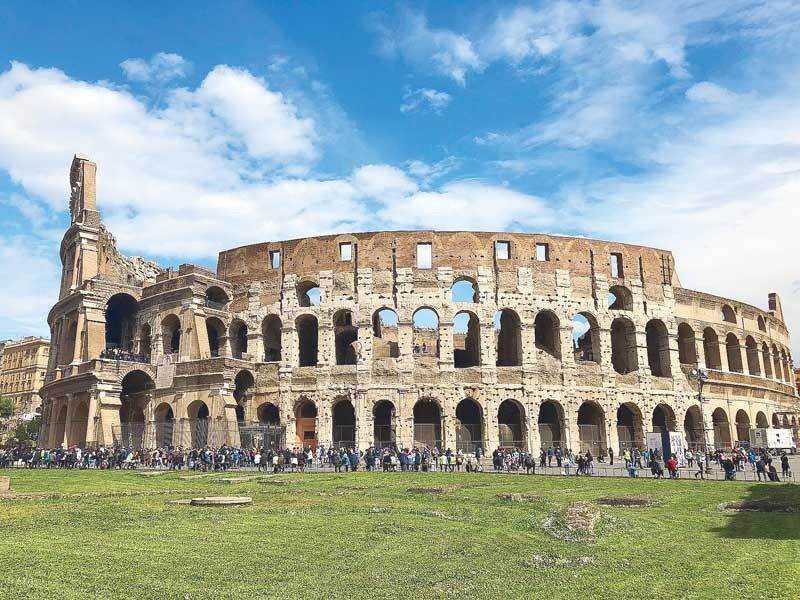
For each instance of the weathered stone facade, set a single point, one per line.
(324, 336)
(22, 372)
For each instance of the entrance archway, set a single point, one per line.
(693, 428)
(80, 419)
(383, 424)
(630, 430)
(722, 429)
(551, 418)
(198, 423)
(244, 383)
(592, 428)
(742, 426)
(344, 424)
(137, 386)
(663, 418)
(427, 424)
(165, 424)
(306, 420)
(469, 426)
(511, 425)
(268, 414)
(761, 420)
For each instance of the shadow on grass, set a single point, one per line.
(769, 511)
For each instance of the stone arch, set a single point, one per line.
(216, 297)
(776, 421)
(761, 420)
(305, 413)
(307, 340)
(776, 361)
(687, 346)
(425, 324)
(762, 324)
(80, 421)
(785, 366)
(469, 425)
(345, 334)
(145, 341)
(268, 414)
(427, 423)
(722, 429)
(765, 357)
(586, 337)
(508, 336)
(592, 428)
(547, 335)
(751, 349)
(385, 334)
(238, 338)
(742, 426)
(199, 418)
(383, 424)
(624, 357)
(164, 418)
(664, 418)
(464, 291)
(727, 314)
(137, 388)
(620, 298)
(693, 428)
(308, 293)
(215, 330)
(244, 385)
(466, 340)
(511, 424)
(121, 313)
(171, 334)
(658, 358)
(630, 426)
(551, 424)
(343, 422)
(271, 333)
(711, 349)
(734, 352)
(60, 425)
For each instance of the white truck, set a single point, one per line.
(772, 439)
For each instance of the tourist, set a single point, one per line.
(784, 465)
(672, 467)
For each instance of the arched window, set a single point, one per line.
(687, 349)
(465, 290)
(385, 342)
(546, 333)
(508, 333)
(585, 338)
(215, 329)
(762, 324)
(619, 298)
(466, 340)
(145, 341)
(765, 357)
(727, 314)
(711, 349)
(271, 331)
(346, 337)
(623, 346)
(753, 364)
(308, 294)
(658, 348)
(238, 337)
(734, 352)
(216, 297)
(426, 333)
(776, 361)
(307, 338)
(171, 334)
(121, 313)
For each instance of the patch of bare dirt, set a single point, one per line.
(761, 506)
(432, 489)
(624, 501)
(520, 497)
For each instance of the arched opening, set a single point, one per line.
(346, 337)
(385, 341)
(427, 424)
(546, 333)
(657, 338)
(753, 364)
(306, 421)
(469, 428)
(786, 422)
(171, 334)
(271, 333)
(238, 337)
(762, 324)
(761, 420)
(198, 414)
(343, 417)
(215, 329)
(67, 355)
(121, 312)
(511, 425)
(165, 425)
(464, 290)
(722, 429)
(60, 426)
(308, 294)
(664, 418)
(80, 420)
(619, 298)
(550, 422)
(216, 297)
(687, 349)
(765, 357)
(776, 421)
(711, 349)
(776, 361)
(742, 427)
(426, 333)
(623, 346)
(145, 342)
(630, 429)
(585, 338)
(508, 336)
(383, 430)
(466, 340)
(592, 428)
(785, 366)
(137, 388)
(734, 352)
(693, 428)
(244, 384)
(268, 414)
(727, 314)
(307, 339)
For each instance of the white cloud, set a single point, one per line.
(422, 98)
(706, 92)
(432, 50)
(382, 182)
(161, 68)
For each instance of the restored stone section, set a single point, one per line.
(367, 338)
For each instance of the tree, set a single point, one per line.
(6, 407)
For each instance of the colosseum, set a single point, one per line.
(457, 339)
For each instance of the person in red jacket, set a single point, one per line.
(672, 467)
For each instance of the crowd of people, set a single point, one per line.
(117, 354)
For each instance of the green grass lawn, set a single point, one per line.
(366, 535)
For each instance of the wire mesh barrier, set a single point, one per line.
(197, 433)
(591, 439)
(427, 435)
(344, 436)
(468, 437)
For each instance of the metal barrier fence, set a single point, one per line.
(197, 433)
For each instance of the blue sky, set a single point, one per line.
(667, 124)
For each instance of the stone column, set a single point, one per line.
(255, 346)
(491, 429)
(70, 399)
(92, 424)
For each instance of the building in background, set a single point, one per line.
(23, 365)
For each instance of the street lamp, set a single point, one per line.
(701, 376)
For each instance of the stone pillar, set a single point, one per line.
(532, 432)
(92, 423)
(569, 428)
(255, 346)
(446, 344)
(405, 345)
(612, 435)
(70, 399)
(723, 354)
(491, 429)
